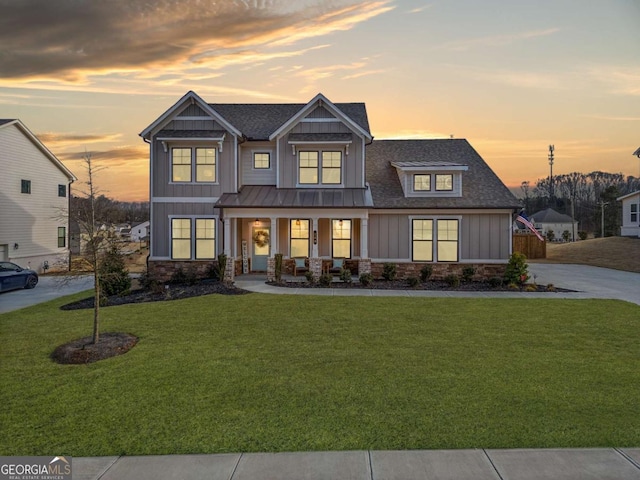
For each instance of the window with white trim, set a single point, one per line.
(181, 238)
(261, 160)
(341, 238)
(299, 238)
(634, 213)
(435, 240)
(62, 237)
(186, 160)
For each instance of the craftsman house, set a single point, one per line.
(308, 181)
(34, 201)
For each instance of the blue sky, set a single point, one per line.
(510, 76)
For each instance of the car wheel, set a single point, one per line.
(31, 282)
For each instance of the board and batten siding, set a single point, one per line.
(352, 164)
(253, 176)
(226, 170)
(31, 220)
(161, 224)
(482, 236)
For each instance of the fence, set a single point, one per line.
(530, 245)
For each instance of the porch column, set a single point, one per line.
(275, 247)
(230, 268)
(364, 265)
(314, 236)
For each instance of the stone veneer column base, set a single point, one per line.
(364, 266)
(315, 267)
(271, 269)
(229, 270)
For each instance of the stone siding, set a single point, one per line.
(162, 270)
(484, 271)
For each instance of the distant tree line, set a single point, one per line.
(112, 211)
(582, 196)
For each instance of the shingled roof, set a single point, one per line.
(549, 215)
(259, 120)
(481, 187)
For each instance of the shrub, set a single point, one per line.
(467, 273)
(426, 272)
(309, 276)
(278, 267)
(551, 287)
(495, 282)
(326, 279)
(517, 269)
(182, 277)
(452, 280)
(413, 281)
(551, 236)
(582, 235)
(221, 267)
(531, 288)
(366, 279)
(114, 277)
(566, 235)
(389, 271)
(513, 286)
(345, 275)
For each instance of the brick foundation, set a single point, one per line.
(484, 271)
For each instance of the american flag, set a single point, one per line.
(522, 218)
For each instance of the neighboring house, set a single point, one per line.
(630, 214)
(308, 181)
(139, 232)
(549, 219)
(34, 201)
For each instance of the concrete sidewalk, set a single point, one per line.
(587, 281)
(528, 464)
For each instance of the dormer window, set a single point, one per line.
(430, 179)
(319, 168)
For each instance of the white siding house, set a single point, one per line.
(34, 201)
(630, 215)
(140, 231)
(550, 220)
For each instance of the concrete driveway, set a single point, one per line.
(48, 288)
(596, 282)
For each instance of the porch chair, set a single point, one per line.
(336, 266)
(300, 266)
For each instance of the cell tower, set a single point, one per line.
(551, 149)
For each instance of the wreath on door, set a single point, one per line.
(261, 238)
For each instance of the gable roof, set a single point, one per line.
(4, 123)
(628, 195)
(481, 187)
(192, 97)
(259, 121)
(549, 215)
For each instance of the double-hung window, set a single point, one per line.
(25, 186)
(299, 238)
(320, 167)
(332, 168)
(308, 170)
(341, 238)
(193, 238)
(62, 190)
(62, 237)
(445, 233)
(185, 161)
(634, 213)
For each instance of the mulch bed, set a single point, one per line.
(167, 292)
(82, 350)
(430, 285)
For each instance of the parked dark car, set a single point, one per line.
(13, 276)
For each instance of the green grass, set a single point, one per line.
(297, 373)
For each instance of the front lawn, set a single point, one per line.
(296, 373)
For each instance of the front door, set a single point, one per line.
(261, 245)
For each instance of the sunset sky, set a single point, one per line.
(511, 76)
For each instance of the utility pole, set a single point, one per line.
(602, 205)
(551, 149)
